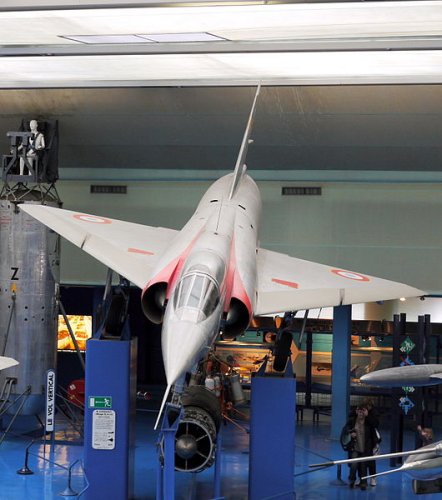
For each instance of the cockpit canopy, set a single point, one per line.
(196, 296)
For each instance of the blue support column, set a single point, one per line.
(168, 478)
(272, 437)
(341, 365)
(217, 473)
(109, 419)
(166, 452)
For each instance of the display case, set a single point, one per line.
(81, 326)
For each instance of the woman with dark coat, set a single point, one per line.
(360, 435)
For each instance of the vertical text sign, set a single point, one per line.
(50, 400)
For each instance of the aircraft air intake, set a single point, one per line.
(153, 301)
(237, 319)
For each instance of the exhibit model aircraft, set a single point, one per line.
(212, 275)
(425, 463)
(410, 375)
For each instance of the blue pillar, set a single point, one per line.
(272, 437)
(109, 419)
(341, 365)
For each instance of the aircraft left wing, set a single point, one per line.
(288, 284)
(128, 248)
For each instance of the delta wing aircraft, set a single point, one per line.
(423, 464)
(212, 275)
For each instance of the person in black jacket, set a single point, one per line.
(374, 420)
(359, 438)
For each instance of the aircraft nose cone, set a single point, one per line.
(372, 378)
(388, 377)
(182, 346)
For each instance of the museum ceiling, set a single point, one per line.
(364, 97)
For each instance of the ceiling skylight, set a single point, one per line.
(152, 38)
(120, 39)
(183, 37)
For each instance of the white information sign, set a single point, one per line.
(50, 400)
(103, 429)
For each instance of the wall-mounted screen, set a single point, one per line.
(81, 327)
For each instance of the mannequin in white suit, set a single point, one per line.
(36, 143)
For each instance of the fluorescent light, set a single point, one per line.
(255, 34)
(311, 68)
(91, 39)
(183, 37)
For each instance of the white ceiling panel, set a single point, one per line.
(285, 44)
(259, 22)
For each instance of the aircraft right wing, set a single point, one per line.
(129, 249)
(289, 284)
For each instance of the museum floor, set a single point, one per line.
(312, 446)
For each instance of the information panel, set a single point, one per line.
(103, 429)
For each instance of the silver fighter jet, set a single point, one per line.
(212, 275)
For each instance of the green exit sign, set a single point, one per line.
(100, 402)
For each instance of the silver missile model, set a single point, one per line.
(212, 275)
(424, 464)
(409, 375)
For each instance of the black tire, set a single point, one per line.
(282, 351)
(198, 395)
(113, 323)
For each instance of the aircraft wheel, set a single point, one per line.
(114, 317)
(282, 351)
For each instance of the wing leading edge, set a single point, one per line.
(284, 283)
(288, 284)
(128, 248)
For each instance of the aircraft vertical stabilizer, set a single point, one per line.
(240, 167)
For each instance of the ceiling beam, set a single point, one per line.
(225, 47)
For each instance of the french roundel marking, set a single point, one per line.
(350, 275)
(92, 218)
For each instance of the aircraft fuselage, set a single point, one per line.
(207, 277)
